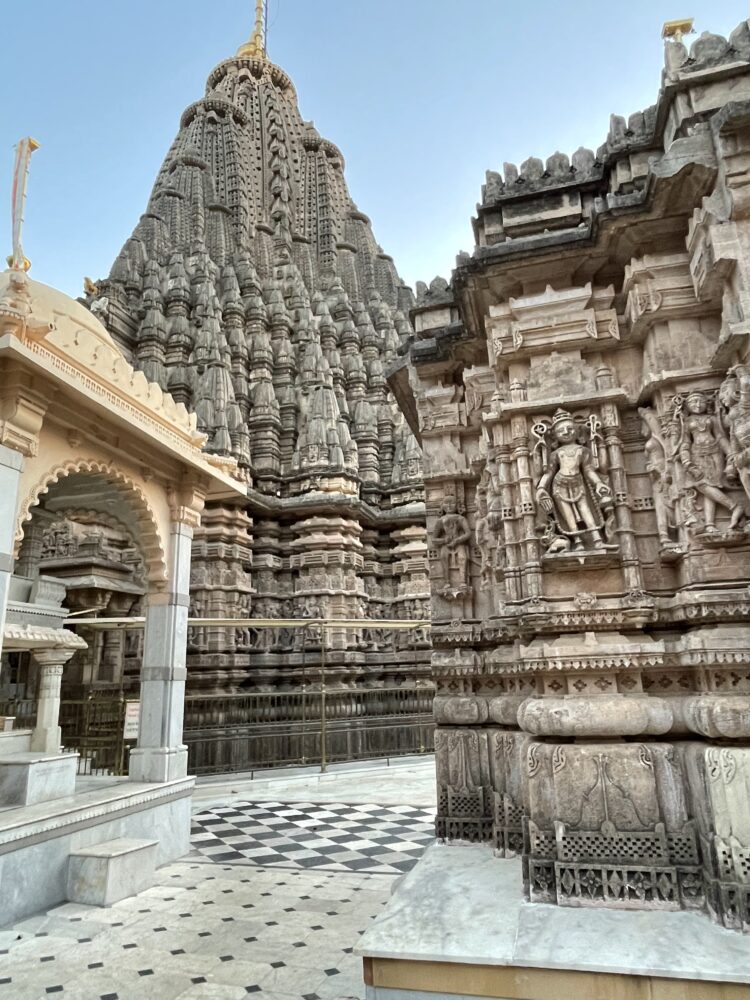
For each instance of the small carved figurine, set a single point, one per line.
(485, 539)
(662, 480)
(451, 538)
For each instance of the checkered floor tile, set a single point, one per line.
(331, 836)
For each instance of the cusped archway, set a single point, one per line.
(101, 487)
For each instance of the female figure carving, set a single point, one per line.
(703, 451)
(734, 397)
(662, 481)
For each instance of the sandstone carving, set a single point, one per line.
(703, 451)
(592, 666)
(451, 538)
(571, 489)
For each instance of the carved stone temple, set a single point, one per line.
(253, 290)
(581, 390)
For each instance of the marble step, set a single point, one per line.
(106, 873)
(28, 777)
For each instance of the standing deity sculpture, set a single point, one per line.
(734, 399)
(451, 537)
(703, 451)
(495, 513)
(660, 471)
(485, 539)
(571, 491)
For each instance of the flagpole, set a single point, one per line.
(25, 147)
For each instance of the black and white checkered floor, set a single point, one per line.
(331, 836)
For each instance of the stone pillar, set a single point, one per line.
(161, 754)
(30, 553)
(47, 737)
(11, 464)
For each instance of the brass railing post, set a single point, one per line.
(323, 726)
(121, 734)
(303, 758)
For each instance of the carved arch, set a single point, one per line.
(149, 540)
(83, 516)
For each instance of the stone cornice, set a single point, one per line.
(20, 637)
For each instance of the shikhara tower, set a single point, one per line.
(254, 291)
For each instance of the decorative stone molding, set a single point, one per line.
(18, 637)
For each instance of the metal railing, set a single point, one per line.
(93, 727)
(22, 710)
(315, 721)
(263, 730)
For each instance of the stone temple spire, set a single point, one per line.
(250, 186)
(253, 289)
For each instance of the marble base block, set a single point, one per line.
(158, 764)
(14, 741)
(458, 926)
(106, 873)
(28, 778)
(38, 841)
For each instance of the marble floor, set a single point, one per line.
(331, 836)
(404, 780)
(217, 929)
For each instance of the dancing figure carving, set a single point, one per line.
(702, 449)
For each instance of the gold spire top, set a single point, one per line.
(674, 30)
(256, 47)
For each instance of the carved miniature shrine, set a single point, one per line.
(582, 394)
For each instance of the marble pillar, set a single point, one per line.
(161, 754)
(46, 736)
(11, 464)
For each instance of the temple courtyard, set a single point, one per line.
(284, 876)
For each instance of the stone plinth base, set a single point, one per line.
(104, 874)
(36, 842)
(458, 926)
(27, 778)
(14, 741)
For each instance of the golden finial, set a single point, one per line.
(256, 47)
(674, 30)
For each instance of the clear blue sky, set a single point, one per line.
(422, 96)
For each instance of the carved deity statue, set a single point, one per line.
(485, 539)
(734, 398)
(451, 538)
(59, 541)
(662, 480)
(571, 490)
(703, 451)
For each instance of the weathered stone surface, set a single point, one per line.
(584, 407)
